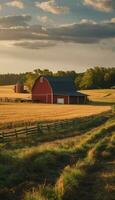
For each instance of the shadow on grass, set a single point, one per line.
(100, 103)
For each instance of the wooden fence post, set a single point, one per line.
(3, 137)
(16, 134)
(48, 127)
(39, 129)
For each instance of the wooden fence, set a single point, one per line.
(14, 100)
(36, 131)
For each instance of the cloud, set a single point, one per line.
(23, 33)
(14, 20)
(87, 21)
(112, 20)
(102, 5)
(50, 6)
(16, 3)
(84, 32)
(45, 20)
(18, 29)
(35, 44)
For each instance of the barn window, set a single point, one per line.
(41, 80)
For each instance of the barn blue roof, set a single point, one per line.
(63, 86)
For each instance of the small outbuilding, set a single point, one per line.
(56, 90)
(19, 87)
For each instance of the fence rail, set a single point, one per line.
(37, 130)
(14, 100)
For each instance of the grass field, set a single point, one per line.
(78, 167)
(101, 95)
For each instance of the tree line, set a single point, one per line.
(93, 78)
(11, 79)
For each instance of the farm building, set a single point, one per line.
(19, 87)
(61, 90)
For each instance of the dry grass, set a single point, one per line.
(14, 112)
(8, 91)
(101, 95)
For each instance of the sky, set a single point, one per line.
(56, 34)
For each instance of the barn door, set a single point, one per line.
(60, 100)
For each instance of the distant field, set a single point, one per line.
(8, 91)
(101, 95)
(13, 112)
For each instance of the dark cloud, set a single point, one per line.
(84, 32)
(26, 33)
(15, 20)
(16, 28)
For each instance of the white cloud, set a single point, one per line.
(16, 3)
(45, 20)
(102, 5)
(87, 21)
(50, 6)
(113, 20)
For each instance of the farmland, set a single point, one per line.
(78, 167)
(8, 92)
(18, 112)
(101, 95)
(70, 162)
(15, 112)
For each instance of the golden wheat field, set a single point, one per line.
(13, 112)
(101, 95)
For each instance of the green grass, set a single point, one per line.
(57, 170)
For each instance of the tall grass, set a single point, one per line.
(65, 166)
(42, 193)
(70, 181)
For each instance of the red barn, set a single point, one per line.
(61, 90)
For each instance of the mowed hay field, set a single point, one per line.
(15, 112)
(101, 95)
